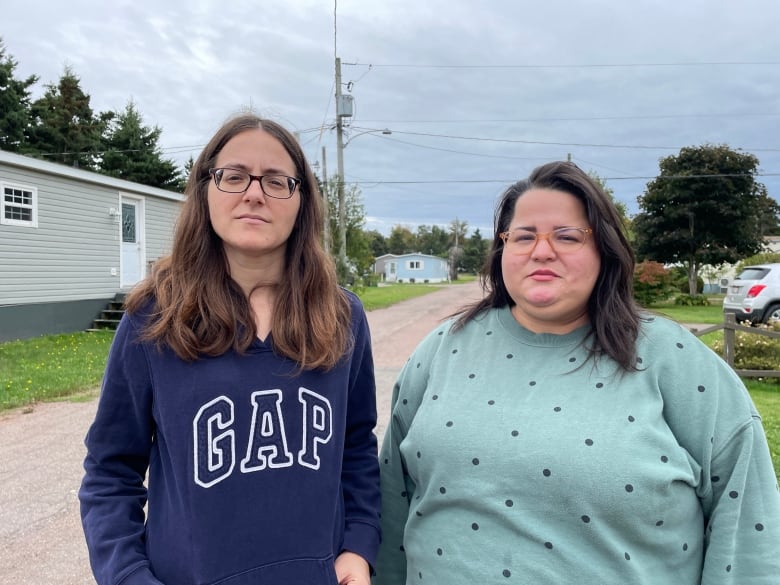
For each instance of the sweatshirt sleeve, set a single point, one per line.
(113, 493)
(398, 488)
(360, 470)
(743, 532)
(713, 418)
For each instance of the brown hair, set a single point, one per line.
(613, 314)
(197, 307)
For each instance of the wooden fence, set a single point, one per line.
(730, 328)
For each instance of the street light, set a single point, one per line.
(340, 146)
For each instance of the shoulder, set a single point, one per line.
(664, 334)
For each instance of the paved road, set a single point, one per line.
(41, 451)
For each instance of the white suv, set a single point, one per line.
(754, 295)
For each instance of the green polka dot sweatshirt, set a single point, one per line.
(509, 458)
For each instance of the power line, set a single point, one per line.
(575, 119)
(508, 181)
(565, 65)
(549, 143)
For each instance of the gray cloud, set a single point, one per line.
(614, 85)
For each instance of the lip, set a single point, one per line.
(252, 218)
(543, 275)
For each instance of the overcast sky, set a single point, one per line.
(476, 93)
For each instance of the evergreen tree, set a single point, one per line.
(474, 253)
(64, 128)
(131, 151)
(14, 103)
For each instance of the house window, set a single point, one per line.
(19, 205)
(414, 265)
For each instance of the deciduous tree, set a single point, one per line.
(703, 208)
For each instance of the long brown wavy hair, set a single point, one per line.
(613, 314)
(199, 310)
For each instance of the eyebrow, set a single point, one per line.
(531, 228)
(245, 168)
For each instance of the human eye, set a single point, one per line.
(233, 176)
(569, 236)
(523, 237)
(276, 182)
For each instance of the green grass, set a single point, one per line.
(711, 314)
(766, 396)
(51, 366)
(379, 297)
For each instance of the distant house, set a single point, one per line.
(413, 267)
(70, 240)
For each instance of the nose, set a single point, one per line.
(543, 249)
(254, 191)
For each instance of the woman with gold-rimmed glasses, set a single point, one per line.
(554, 433)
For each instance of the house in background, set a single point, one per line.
(413, 267)
(70, 241)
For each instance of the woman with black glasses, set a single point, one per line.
(241, 380)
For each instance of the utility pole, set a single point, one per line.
(342, 257)
(325, 199)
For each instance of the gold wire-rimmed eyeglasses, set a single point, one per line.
(562, 240)
(238, 181)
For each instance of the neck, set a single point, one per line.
(253, 273)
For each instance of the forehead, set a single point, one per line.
(548, 203)
(256, 149)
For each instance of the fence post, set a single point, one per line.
(729, 338)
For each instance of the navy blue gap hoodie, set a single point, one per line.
(256, 475)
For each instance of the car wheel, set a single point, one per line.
(772, 314)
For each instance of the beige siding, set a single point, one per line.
(71, 254)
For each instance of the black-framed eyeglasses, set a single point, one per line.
(238, 181)
(562, 240)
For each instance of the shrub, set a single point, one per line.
(692, 301)
(754, 352)
(652, 283)
(763, 258)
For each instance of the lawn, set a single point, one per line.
(51, 366)
(378, 297)
(766, 397)
(711, 314)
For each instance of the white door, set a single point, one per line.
(132, 243)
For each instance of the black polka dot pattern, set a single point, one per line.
(551, 417)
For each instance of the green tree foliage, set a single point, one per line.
(474, 253)
(131, 151)
(377, 243)
(432, 240)
(359, 253)
(64, 128)
(702, 209)
(185, 174)
(401, 241)
(14, 103)
(768, 214)
(622, 208)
